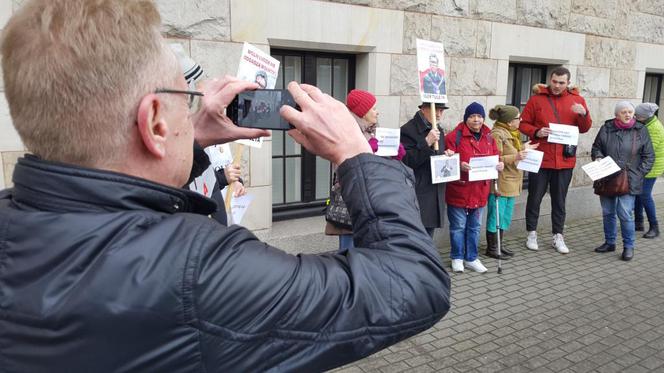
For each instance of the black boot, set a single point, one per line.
(638, 226)
(605, 248)
(652, 232)
(491, 246)
(503, 248)
(628, 254)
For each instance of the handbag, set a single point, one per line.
(569, 151)
(618, 183)
(336, 211)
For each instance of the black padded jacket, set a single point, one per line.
(103, 272)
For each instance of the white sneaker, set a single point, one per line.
(476, 266)
(531, 243)
(457, 265)
(559, 243)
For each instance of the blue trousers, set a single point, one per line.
(464, 232)
(645, 201)
(621, 206)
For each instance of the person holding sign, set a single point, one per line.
(418, 137)
(466, 199)
(362, 106)
(627, 142)
(506, 133)
(647, 113)
(553, 103)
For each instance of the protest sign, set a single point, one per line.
(532, 162)
(261, 68)
(388, 141)
(431, 69)
(445, 168)
(483, 168)
(600, 168)
(563, 134)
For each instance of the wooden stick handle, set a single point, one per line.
(434, 124)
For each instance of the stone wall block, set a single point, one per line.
(593, 81)
(654, 7)
(472, 76)
(595, 8)
(458, 35)
(217, 58)
(551, 14)
(202, 19)
(415, 26)
(407, 108)
(592, 25)
(483, 49)
(605, 52)
(403, 79)
(647, 28)
(491, 10)
(624, 83)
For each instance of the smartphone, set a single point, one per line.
(260, 109)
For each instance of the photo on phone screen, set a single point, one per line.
(260, 109)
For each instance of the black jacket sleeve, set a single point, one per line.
(260, 308)
(598, 145)
(201, 162)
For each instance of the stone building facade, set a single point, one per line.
(614, 49)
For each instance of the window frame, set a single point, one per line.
(308, 205)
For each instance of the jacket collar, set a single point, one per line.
(611, 126)
(421, 122)
(54, 186)
(465, 131)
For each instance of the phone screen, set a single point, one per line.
(260, 109)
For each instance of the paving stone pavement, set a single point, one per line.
(547, 312)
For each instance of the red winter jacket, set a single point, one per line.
(538, 114)
(464, 193)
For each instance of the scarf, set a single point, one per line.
(516, 138)
(624, 126)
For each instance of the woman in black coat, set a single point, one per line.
(628, 143)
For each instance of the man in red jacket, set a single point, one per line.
(555, 103)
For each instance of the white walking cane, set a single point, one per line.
(498, 243)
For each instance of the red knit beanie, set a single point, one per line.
(359, 102)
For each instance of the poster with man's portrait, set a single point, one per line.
(431, 71)
(445, 169)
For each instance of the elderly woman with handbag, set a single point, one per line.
(627, 142)
(362, 105)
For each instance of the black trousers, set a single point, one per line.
(558, 183)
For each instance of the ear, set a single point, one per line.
(152, 128)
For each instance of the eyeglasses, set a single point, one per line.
(193, 95)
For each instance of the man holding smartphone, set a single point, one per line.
(106, 264)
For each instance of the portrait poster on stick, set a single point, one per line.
(445, 168)
(261, 68)
(431, 69)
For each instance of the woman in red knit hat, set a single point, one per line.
(362, 105)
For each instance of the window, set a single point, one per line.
(300, 180)
(520, 80)
(652, 88)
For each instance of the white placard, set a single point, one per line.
(445, 169)
(600, 168)
(388, 141)
(532, 162)
(431, 71)
(483, 168)
(563, 134)
(259, 67)
(239, 206)
(219, 155)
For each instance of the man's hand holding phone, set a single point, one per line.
(324, 125)
(211, 124)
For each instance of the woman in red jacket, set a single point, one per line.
(466, 199)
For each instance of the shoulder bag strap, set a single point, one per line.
(553, 106)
